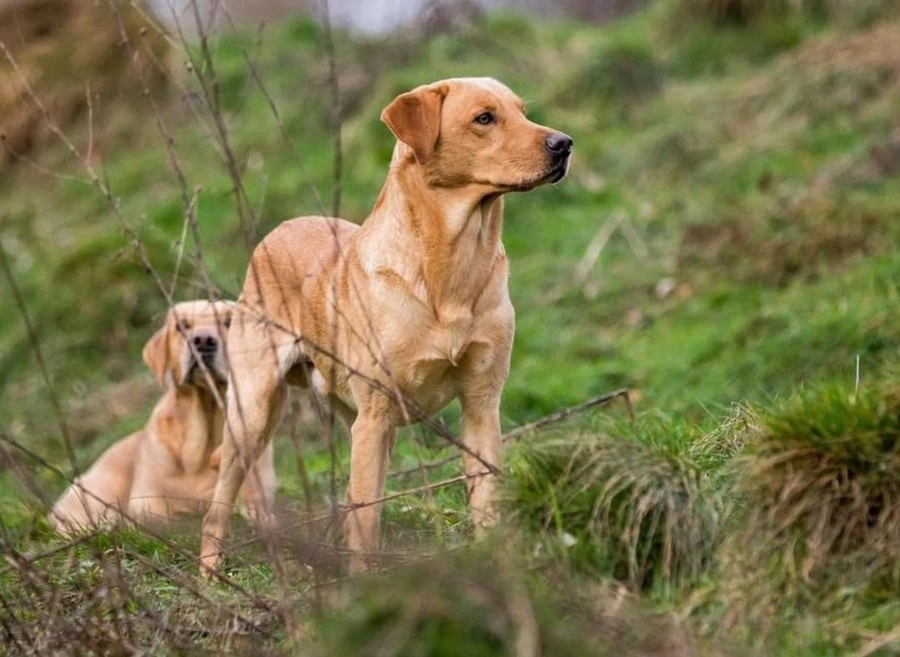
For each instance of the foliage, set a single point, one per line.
(743, 179)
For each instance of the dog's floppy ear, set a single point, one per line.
(156, 355)
(415, 119)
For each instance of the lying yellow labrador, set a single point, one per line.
(394, 319)
(171, 464)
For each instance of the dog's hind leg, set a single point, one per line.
(258, 492)
(96, 497)
(254, 405)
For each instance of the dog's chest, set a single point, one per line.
(434, 356)
(447, 338)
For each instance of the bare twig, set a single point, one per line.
(68, 545)
(427, 488)
(204, 71)
(419, 489)
(93, 176)
(518, 432)
(563, 413)
(336, 113)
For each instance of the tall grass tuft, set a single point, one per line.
(629, 502)
(820, 488)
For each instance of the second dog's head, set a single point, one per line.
(190, 340)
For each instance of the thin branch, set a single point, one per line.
(540, 423)
(209, 85)
(336, 113)
(419, 489)
(93, 176)
(68, 545)
(563, 413)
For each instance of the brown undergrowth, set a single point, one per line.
(73, 55)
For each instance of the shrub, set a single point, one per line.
(633, 501)
(819, 487)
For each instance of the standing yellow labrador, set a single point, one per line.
(393, 319)
(171, 464)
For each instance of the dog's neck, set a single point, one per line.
(450, 241)
(192, 421)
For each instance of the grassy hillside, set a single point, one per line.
(725, 247)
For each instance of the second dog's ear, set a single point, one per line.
(156, 355)
(415, 119)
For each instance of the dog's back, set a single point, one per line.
(298, 253)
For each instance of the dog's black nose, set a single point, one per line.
(558, 144)
(205, 343)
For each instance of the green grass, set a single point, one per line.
(817, 485)
(752, 264)
(619, 499)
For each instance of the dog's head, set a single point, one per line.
(190, 341)
(474, 132)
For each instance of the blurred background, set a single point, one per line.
(725, 247)
(382, 16)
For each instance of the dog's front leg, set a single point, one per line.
(372, 437)
(486, 369)
(481, 436)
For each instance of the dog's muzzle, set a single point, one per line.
(206, 345)
(559, 147)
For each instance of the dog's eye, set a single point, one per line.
(227, 321)
(182, 325)
(484, 118)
